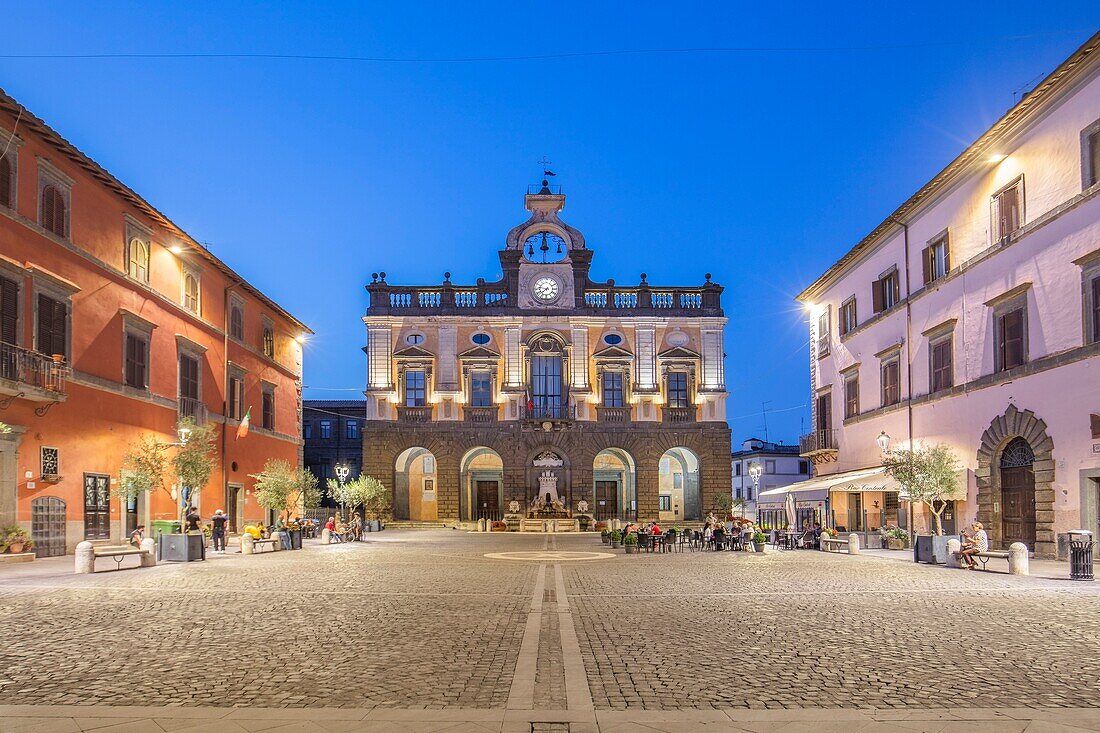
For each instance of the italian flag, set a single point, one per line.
(242, 429)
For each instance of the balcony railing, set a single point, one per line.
(540, 413)
(613, 414)
(481, 415)
(193, 409)
(679, 414)
(448, 298)
(419, 414)
(31, 369)
(819, 441)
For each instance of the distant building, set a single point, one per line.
(780, 465)
(970, 316)
(332, 431)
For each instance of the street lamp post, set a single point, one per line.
(343, 470)
(755, 469)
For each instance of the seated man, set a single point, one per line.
(973, 542)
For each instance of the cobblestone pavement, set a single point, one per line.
(422, 624)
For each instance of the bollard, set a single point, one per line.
(246, 543)
(85, 558)
(481, 525)
(1080, 554)
(1017, 559)
(853, 544)
(149, 555)
(326, 537)
(953, 546)
(278, 543)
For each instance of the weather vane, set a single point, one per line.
(545, 163)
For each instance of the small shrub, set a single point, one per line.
(759, 538)
(631, 539)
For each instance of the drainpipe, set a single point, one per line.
(908, 353)
(231, 511)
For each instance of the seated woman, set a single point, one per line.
(974, 542)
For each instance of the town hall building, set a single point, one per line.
(545, 393)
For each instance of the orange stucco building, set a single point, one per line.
(114, 323)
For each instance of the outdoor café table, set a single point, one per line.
(790, 540)
(658, 542)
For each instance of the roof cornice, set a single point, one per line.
(1048, 92)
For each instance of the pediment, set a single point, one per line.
(414, 352)
(678, 352)
(479, 352)
(613, 352)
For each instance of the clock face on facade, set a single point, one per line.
(545, 289)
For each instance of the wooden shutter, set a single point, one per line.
(52, 317)
(1096, 306)
(876, 292)
(53, 210)
(1012, 339)
(7, 185)
(946, 241)
(135, 361)
(824, 419)
(9, 311)
(189, 377)
(926, 255)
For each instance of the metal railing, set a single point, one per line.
(679, 414)
(817, 441)
(549, 412)
(193, 409)
(33, 369)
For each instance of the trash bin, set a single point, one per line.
(165, 526)
(1080, 554)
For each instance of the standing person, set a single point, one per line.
(192, 524)
(217, 531)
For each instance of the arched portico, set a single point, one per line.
(678, 479)
(614, 485)
(481, 485)
(416, 485)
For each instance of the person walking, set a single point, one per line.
(217, 531)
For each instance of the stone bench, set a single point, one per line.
(86, 554)
(1016, 556)
(251, 546)
(835, 544)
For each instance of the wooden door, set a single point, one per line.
(97, 507)
(488, 504)
(48, 526)
(1018, 506)
(607, 500)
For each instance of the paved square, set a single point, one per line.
(422, 620)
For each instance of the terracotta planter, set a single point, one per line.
(15, 548)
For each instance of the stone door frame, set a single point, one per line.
(1016, 423)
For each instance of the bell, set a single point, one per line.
(530, 250)
(559, 246)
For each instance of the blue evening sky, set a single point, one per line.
(762, 168)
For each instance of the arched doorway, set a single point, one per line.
(1018, 493)
(1015, 479)
(679, 492)
(415, 485)
(614, 486)
(481, 495)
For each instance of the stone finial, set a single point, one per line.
(374, 277)
(382, 276)
(643, 278)
(446, 277)
(708, 277)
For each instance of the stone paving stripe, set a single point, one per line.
(521, 695)
(577, 694)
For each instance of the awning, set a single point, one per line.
(817, 489)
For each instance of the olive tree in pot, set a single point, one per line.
(930, 475)
(286, 490)
(376, 503)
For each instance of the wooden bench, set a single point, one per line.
(833, 544)
(86, 555)
(268, 543)
(985, 557)
(250, 546)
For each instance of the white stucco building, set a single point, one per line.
(971, 316)
(778, 465)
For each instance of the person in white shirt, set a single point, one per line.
(974, 542)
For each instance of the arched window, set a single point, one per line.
(1017, 454)
(139, 260)
(547, 396)
(53, 210)
(191, 292)
(7, 184)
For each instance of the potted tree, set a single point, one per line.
(605, 536)
(930, 475)
(376, 503)
(630, 543)
(146, 466)
(285, 489)
(616, 538)
(758, 541)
